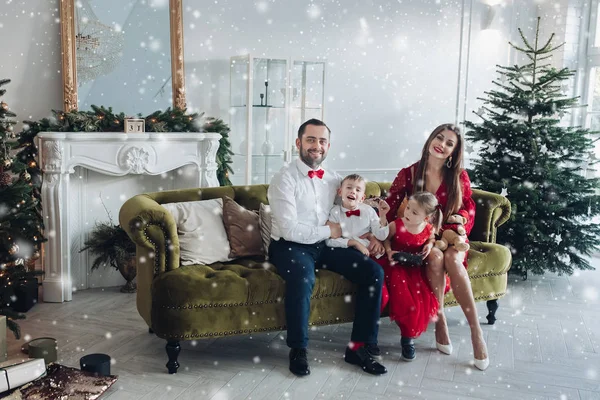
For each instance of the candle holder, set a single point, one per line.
(266, 93)
(262, 96)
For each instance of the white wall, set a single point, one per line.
(30, 56)
(391, 78)
(393, 67)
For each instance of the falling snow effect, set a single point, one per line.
(381, 84)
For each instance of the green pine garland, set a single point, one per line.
(101, 119)
(540, 163)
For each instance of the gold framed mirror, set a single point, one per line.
(69, 56)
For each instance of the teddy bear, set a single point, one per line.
(454, 234)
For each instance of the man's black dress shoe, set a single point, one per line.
(374, 351)
(299, 362)
(408, 349)
(362, 358)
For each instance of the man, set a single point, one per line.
(301, 195)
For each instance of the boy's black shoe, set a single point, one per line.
(373, 351)
(299, 362)
(362, 358)
(408, 349)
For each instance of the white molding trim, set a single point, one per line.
(113, 154)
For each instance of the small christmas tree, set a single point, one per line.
(20, 218)
(528, 155)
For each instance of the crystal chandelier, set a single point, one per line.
(99, 47)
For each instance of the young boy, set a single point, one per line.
(357, 218)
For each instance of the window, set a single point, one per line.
(591, 90)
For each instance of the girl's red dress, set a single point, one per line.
(412, 303)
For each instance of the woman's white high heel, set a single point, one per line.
(444, 348)
(482, 364)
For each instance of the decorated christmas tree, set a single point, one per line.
(539, 163)
(20, 218)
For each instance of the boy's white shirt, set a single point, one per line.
(355, 226)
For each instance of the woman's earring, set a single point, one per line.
(449, 163)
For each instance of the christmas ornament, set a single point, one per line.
(27, 176)
(13, 250)
(4, 179)
(7, 163)
(504, 192)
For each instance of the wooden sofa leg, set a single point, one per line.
(492, 306)
(173, 349)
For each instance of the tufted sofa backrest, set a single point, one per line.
(248, 196)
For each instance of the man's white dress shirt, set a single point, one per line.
(300, 205)
(355, 226)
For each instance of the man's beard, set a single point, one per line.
(308, 160)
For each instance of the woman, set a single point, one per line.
(440, 172)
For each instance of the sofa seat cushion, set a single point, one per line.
(241, 296)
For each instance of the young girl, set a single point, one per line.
(412, 303)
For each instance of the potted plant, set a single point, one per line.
(112, 246)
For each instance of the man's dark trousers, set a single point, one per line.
(296, 263)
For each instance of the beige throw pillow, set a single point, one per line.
(202, 236)
(242, 230)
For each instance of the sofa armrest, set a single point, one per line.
(151, 227)
(492, 211)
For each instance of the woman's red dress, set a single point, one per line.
(412, 303)
(402, 187)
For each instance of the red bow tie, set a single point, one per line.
(318, 173)
(353, 212)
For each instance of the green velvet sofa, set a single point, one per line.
(246, 295)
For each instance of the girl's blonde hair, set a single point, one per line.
(432, 208)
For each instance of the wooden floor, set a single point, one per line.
(545, 345)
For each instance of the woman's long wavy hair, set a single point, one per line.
(451, 175)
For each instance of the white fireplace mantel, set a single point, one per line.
(111, 154)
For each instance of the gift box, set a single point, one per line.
(26, 294)
(15, 374)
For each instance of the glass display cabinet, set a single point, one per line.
(269, 99)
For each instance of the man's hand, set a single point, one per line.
(336, 230)
(376, 247)
(426, 249)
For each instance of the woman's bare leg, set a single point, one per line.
(434, 269)
(461, 287)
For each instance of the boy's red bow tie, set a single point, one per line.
(353, 212)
